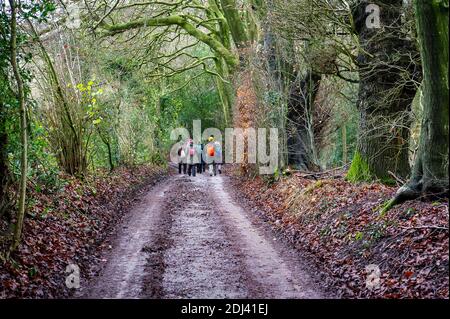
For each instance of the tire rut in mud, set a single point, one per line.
(188, 238)
(193, 256)
(155, 250)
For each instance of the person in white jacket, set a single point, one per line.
(218, 157)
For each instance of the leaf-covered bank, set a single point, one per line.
(337, 224)
(67, 225)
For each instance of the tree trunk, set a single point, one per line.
(386, 91)
(23, 128)
(237, 27)
(110, 158)
(300, 139)
(344, 144)
(430, 172)
(224, 91)
(107, 142)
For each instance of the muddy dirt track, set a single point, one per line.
(189, 238)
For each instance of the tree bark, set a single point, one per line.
(225, 94)
(237, 27)
(23, 127)
(430, 172)
(386, 91)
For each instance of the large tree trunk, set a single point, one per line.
(386, 92)
(225, 91)
(237, 26)
(300, 138)
(430, 172)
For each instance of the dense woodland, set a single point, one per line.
(92, 89)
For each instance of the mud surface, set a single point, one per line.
(190, 238)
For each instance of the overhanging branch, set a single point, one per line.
(229, 57)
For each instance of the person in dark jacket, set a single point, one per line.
(192, 157)
(202, 165)
(182, 166)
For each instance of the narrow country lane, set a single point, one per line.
(188, 238)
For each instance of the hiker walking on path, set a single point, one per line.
(192, 157)
(214, 156)
(182, 160)
(218, 157)
(201, 165)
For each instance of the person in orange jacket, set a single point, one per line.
(214, 155)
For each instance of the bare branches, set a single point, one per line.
(105, 15)
(182, 22)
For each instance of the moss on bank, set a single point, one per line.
(360, 172)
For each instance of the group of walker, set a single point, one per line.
(193, 157)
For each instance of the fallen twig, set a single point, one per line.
(322, 173)
(398, 179)
(424, 227)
